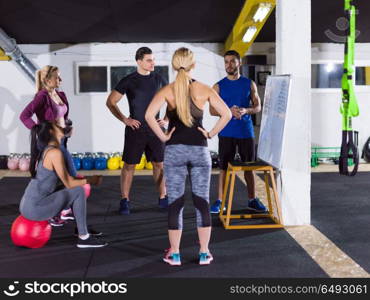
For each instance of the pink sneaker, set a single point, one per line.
(67, 214)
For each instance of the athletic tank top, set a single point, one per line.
(44, 183)
(237, 92)
(59, 110)
(183, 134)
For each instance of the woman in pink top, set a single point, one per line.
(49, 104)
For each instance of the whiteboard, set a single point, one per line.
(274, 113)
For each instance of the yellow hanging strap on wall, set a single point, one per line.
(3, 56)
(367, 75)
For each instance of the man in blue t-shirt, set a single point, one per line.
(140, 88)
(240, 94)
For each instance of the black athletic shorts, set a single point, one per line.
(227, 149)
(140, 141)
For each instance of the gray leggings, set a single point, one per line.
(34, 208)
(179, 161)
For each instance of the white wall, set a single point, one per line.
(95, 128)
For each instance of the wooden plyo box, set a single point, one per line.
(230, 183)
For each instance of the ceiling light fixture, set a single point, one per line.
(249, 34)
(262, 12)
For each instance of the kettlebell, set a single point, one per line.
(13, 161)
(76, 157)
(148, 165)
(88, 161)
(142, 163)
(100, 161)
(113, 162)
(3, 162)
(24, 162)
(215, 159)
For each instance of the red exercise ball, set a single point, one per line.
(30, 234)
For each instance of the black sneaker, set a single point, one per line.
(91, 232)
(124, 207)
(163, 202)
(91, 242)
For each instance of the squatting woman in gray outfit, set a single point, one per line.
(41, 199)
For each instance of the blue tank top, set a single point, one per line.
(237, 92)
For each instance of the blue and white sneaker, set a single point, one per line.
(256, 205)
(216, 206)
(124, 207)
(173, 259)
(205, 258)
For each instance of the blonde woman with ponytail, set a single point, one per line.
(186, 150)
(50, 104)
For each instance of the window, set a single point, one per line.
(118, 72)
(326, 75)
(102, 78)
(92, 79)
(163, 70)
(362, 75)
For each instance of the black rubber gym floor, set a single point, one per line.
(340, 209)
(137, 241)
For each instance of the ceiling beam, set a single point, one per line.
(243, 22)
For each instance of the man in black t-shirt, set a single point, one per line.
(140, 88)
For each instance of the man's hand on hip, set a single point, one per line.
(134, 124)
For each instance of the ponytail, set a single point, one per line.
(35, 151)
(39, 84)
(182, 97)
(40, 137)
(183, 62)
(44, 74)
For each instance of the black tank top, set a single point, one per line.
(183, 134)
